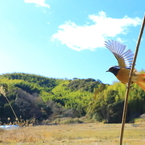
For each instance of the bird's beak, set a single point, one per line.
(107, 71)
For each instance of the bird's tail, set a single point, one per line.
(141, 81)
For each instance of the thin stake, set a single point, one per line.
(129, 81)
(2, 91)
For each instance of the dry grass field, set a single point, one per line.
(74, 134)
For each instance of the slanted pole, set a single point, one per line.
(129, 82)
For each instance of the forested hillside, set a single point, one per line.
(34, 96)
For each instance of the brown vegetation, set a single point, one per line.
(72, 134)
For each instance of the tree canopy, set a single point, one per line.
(34, 96)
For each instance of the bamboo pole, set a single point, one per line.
(129, 82)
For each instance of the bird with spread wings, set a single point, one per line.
(125, 60)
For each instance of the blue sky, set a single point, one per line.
(64, 39)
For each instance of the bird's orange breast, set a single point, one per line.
(123, 75)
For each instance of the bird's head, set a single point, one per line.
(114, 70)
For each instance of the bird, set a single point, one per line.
(125, 60)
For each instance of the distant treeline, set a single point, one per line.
(34, 96)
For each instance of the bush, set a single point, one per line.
(72, 121)
(137, 120)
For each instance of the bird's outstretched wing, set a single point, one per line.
(124, 57)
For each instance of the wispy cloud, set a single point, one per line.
(38, 2)
(92, 36)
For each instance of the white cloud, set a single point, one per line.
(38, 2)
(93, 36)
(119, 39)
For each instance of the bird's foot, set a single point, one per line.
(133, 77)
(129, 86)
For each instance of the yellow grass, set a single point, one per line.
(74, 134)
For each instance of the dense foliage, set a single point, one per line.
(34, 96)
